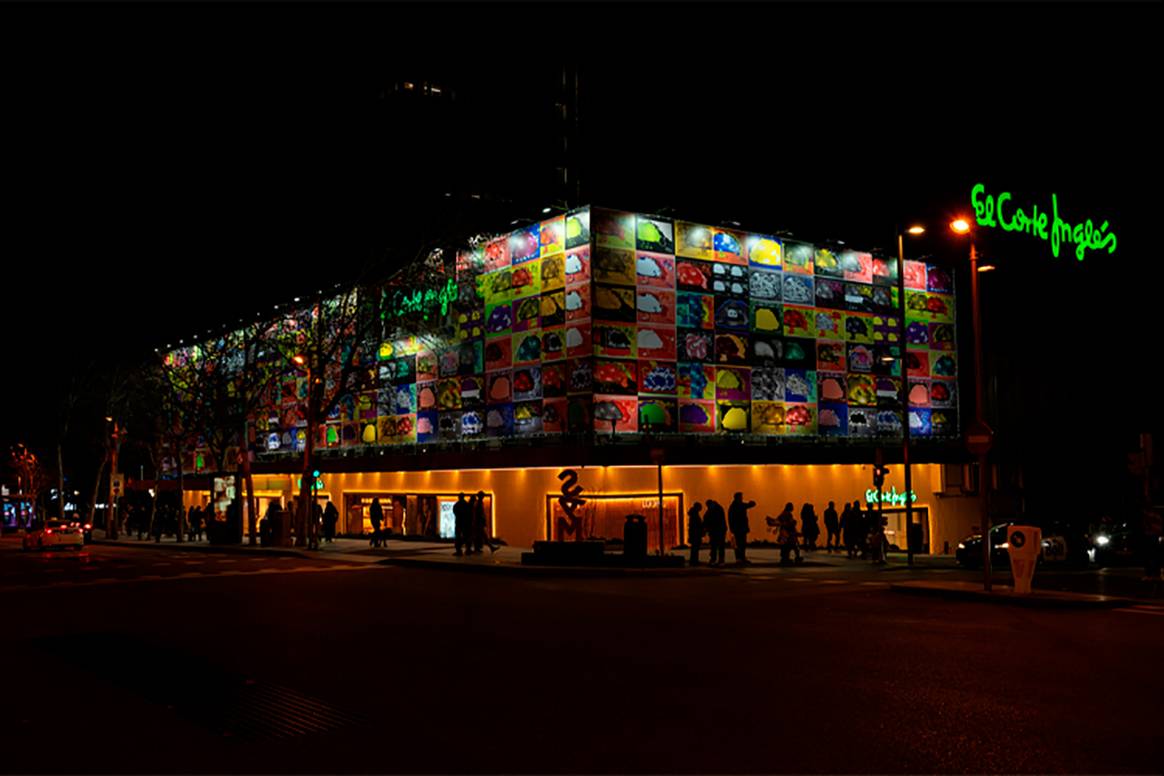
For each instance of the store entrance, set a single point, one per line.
(427, 515)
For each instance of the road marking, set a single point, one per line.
(1151, 611)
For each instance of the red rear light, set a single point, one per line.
(48, 530)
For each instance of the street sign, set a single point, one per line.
(979, 438)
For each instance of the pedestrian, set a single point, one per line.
(695, 531)
(862, 534)
(481, 536)
(738, 523)
(462, 517)
(809, 526)
(786, 534)
(715, 526)
(330, 520)
(316, 524)
(878, 544)
(158, 521)
(833, 528)
(197, 521)
(376, 515)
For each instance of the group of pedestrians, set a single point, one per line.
(860, 532)
(715, 524)
(471, 527)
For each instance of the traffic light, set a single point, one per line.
(879, 473)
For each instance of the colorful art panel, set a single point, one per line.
(499, 421)
(554, 380)
(731, 348)
(426, 427)
(554, 415)
(527, 383)
(915, 276)
(498, 318)
(527, 313)
(696, 381)
(730, 246)
(767, 317)
(800, 419)
(553, 344)
(654, 234)
(472, 424)
(577, 303)
(614, 266)
(553, 269)
(729, 279)
(496, 254)
(862, 390)
(917, 363)
(658, 415)
(831, 356)
(613, 229)
(657, 342)
(733, 417)
(765, 251)
(827, 264)
(579, 341)
(830, 324)
(499, 387)
(862, 423)
(917, 333)
(800, 385)
(693, 276)
(655, 306)
(858, 327)
(888, 391)
(943, 422)
(578, 228)
(616, 414)
(799, 321)
(833, 420)
(921, 422)
(858, 266)
(524, 245)
(580, 376)
(552, 236)
(942, 336)
(768, 418)
(943, 393)
(858, 297)
(944, 365)
(887, 423)
(653, 270)
(767, 383)
(886, 329)
(919, 393)
(577, 267)
(527, 347)
(695, 311)
(659, 378)
(553, 309)
(694, 241)
(614, 303)
(799, 258)
(860, 357)
(472, 391)
(616, 377)
(733, 384)
(768, 286)
(884, 271)
(798, 289)
(527, 418)
(615, 340)
(696, 417)
(731, 313)
(832, 387)
(830, 293)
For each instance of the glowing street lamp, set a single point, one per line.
(979, 436)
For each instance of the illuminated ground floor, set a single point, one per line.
(522, 503)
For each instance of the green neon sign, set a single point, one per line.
(995, 212)
(424, 301)
(893, 498)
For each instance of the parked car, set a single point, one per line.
(1060, 545)
(54, 533)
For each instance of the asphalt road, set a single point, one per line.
(221, 663)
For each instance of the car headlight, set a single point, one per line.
(961, 545)
(1102, 540)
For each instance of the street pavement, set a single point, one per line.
(325, 665)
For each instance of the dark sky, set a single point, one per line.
(168, 168)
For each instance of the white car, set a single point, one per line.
(55, 533)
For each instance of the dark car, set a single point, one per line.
(1061, 545)
(1121, 544)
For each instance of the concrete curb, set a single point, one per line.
(525, 570)
(1044, 599)
(226, 548)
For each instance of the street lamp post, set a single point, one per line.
(904, 396)
(978, 439)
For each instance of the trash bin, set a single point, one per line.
(634, 537)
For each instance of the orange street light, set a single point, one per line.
(916, 229)
(986, 268)
(960, 225)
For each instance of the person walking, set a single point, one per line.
(715, 525)
(316, 524)
(481, 535)
(861, 519)
(462, 517)
(376, 516)
(330, 519)
(695, 531)
(833, 528)
(786, 534)
(809, 526)
(738, 523)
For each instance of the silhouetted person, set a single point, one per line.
(832, 527)
(481, 535)
(316, 523)
(860, 529)
(376, 516)
(738, 523)
(809, 526)
(330, 518)
(847, 527)
(462, 519)
(695, 531)
(786, 534)
(715, 526)
(196, 522)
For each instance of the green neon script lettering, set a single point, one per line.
(1084, 235)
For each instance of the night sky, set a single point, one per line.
(169, 169)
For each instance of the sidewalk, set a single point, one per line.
(439, 555)
(1002, 594)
